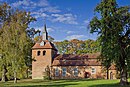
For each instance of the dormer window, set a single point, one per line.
(44, 53)
(38, 53)
(42, 43)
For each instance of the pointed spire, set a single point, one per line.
(45, 34)
(44, 30)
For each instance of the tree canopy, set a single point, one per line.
(15, 43)
(76, 46)
(113, 27)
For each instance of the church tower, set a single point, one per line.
(43, 53)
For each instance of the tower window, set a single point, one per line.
(38, 53)
(44, 52)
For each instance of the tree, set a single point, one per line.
(32, 32)
(5, 13)
(113, 27)
(51, 39)
(106, 62)
(15, 41)
(4, 16)
(62, 46)
(78, 46)
(47, 73)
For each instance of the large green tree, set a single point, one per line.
(4, 16)
(15, 49)
(113, 27)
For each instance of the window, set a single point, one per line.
(42, 43)
(93, 70)
(44, 52)
(38, 53)
(63, 71)
(56, 72)
(75, 71)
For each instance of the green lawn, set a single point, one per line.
(64, 83)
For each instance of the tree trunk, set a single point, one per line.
(15, 77)
(4, 74)
(123, 79)
(27, 73)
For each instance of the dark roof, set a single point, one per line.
(76, 60)
(77, 56)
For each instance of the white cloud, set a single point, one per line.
(75, 37)
(45, 10)
(39, 15)
(70, 32)
(64, 18)
(44, 7)
(23, 2)
(83, 27)
(86, 22)
(42, 12)
(50, 29)
(50, 9)
(42, 4)
(29, 3)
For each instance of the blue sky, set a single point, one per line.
(65, 19)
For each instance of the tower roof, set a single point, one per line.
(43, 42)
(48, 45)
(44, 30)
(45, 34)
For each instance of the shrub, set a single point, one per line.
(47, 74)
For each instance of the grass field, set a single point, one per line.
(63, 83)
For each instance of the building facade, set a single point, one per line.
(65, 66)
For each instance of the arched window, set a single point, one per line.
(38, 53)
(75, 71)
(44, 53)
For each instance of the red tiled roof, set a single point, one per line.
(76, 56)
(47, 45)
(76, 60)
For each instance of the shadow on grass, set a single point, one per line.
(38, 83)
(42, 85)
(108, 85)
(72, 80)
